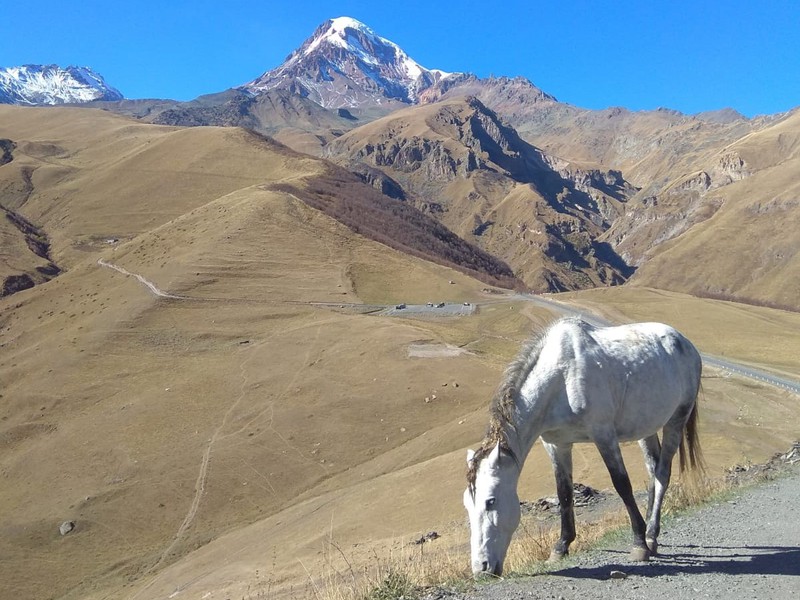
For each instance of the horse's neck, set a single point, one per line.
(532, 407)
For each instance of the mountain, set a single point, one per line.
(728, 229)
(51, 84)
(609, 189)
(345, 64)
(289, 118)
(456, 160)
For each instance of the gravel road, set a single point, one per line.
(747, 547)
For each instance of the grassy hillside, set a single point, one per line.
(92, 179)
(228, 405)
(746, 249)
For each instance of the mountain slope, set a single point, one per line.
(51, 84)
(743, 205)
(244, 373)
(100, 180)
(158, 424)
(460, 163)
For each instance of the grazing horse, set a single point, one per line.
(581, 383)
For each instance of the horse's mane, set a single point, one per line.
(501, 409)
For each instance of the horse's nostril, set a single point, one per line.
(484, 566)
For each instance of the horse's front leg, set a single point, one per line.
(561, 456)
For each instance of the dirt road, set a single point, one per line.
(745, 547)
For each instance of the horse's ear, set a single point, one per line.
(470, 455)
(494, 455)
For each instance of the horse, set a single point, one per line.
(581, 383)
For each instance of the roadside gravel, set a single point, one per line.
(745, 547)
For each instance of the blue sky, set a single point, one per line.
(645, 54)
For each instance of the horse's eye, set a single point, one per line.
(490, 504)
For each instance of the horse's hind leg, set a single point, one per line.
(608, 446)
(651, 448)
(561, 456)
(670, 442)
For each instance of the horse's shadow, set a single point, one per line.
(691, 559)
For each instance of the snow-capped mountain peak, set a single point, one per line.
(337, 34)
(51, 84)
(346, 64)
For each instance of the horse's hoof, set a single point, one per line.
(652, 545)
(556, 556)
(639, 555)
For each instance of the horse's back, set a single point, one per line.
(637, 376)
(633, 346)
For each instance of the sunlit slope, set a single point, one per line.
(95, 176)
(464, 166)
(748, 249)
(158, 424)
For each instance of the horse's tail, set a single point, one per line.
(690, 442)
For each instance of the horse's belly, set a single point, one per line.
(628, 425)
(635, 427)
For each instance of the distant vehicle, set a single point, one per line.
(400, 306)
(430, 303)
(440, 305)
(466, 303)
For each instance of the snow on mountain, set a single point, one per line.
(51, 84)
(345, 64)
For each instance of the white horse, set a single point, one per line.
(580, 383)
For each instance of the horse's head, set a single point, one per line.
(493, 507)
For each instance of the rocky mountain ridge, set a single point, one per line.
(459, 162)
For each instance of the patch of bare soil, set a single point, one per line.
(434, 350)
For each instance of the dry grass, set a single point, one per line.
(405, 571)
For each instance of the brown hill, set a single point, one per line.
(91, 179)
(240, 434)
(163, 423)
(158, 423)
(461, 164)
(709, 187)
(730, 229)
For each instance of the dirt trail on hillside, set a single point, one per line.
(747, 546)
(146, 282)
